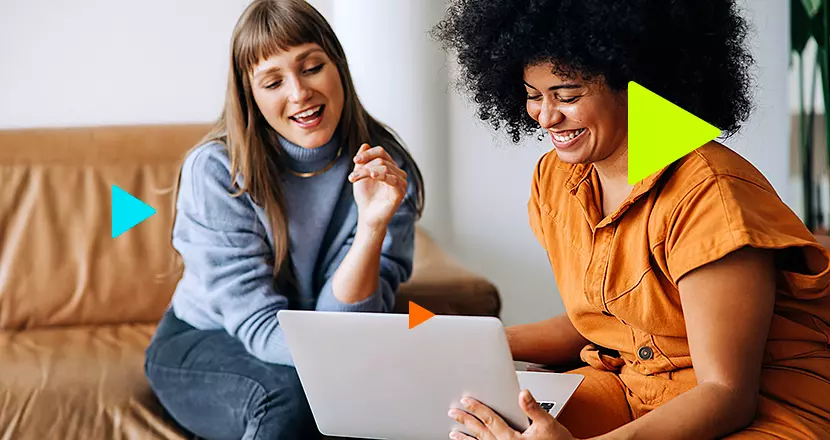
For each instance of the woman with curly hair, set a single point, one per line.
(697, 298)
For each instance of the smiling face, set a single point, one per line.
(300, 94)
(587, 121)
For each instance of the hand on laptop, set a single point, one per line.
(484, 424)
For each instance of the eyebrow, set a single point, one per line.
(302, 56)
(305, 54)
(557, 87)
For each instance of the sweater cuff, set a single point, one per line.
(327, 302)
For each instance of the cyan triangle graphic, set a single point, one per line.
(127, 211)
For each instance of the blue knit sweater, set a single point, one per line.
(226, 244)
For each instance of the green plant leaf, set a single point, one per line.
(811, 7)
(823, 61)
(800, 26)
(818, 25)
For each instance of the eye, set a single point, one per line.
(314, 69)
(568, 100)
(273, 85)
(534, 97)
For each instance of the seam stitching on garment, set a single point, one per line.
(656, 347)
(545, 209)
(688, 193)
(198, 154)
(662, 242)
(820, 329)
(637, 284)
(182, 370)
(717, 173)
(726, 211)
(723, 204)
(586, 173)
(674, 211)
(588, 269)
(798, 371)
(605, 270)
(716, 176)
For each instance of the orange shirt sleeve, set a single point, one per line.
(724, 213)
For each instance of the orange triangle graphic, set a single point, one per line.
(417, 315)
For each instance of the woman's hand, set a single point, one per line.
(379, 186)
(484, 424)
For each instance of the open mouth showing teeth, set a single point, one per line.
(308, 115)
(567, 136)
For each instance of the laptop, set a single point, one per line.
(367, 375)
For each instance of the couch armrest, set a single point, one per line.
(442, 285)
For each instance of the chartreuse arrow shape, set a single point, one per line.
(660, 132)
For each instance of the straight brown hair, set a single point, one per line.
(265, 28)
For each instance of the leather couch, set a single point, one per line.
(78, 308)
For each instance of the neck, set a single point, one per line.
(613, 170)
(303, 159)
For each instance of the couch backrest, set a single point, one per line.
(58, 262)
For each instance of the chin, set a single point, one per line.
(573, 157)
(315, 140)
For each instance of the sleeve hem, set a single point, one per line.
(719, 246)
(329, 302)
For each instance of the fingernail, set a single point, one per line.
(528, 397)
(466, 402)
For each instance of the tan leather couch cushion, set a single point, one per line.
(58, 262)
(79, 383)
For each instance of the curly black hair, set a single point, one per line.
(691, 52)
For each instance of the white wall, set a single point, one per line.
(765, 138)
(399, 74)
(121, 61)
(68, 63)
(490, 189)
(326, 7)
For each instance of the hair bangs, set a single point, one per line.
(273, 28)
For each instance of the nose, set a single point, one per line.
(550, 115)
(299, 91)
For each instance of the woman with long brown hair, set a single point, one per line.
(285, 204)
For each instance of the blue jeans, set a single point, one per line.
(215, 389)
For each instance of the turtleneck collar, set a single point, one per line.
(306, 160)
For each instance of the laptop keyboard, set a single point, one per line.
(547, 406)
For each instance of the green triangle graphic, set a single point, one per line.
(660, 132)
